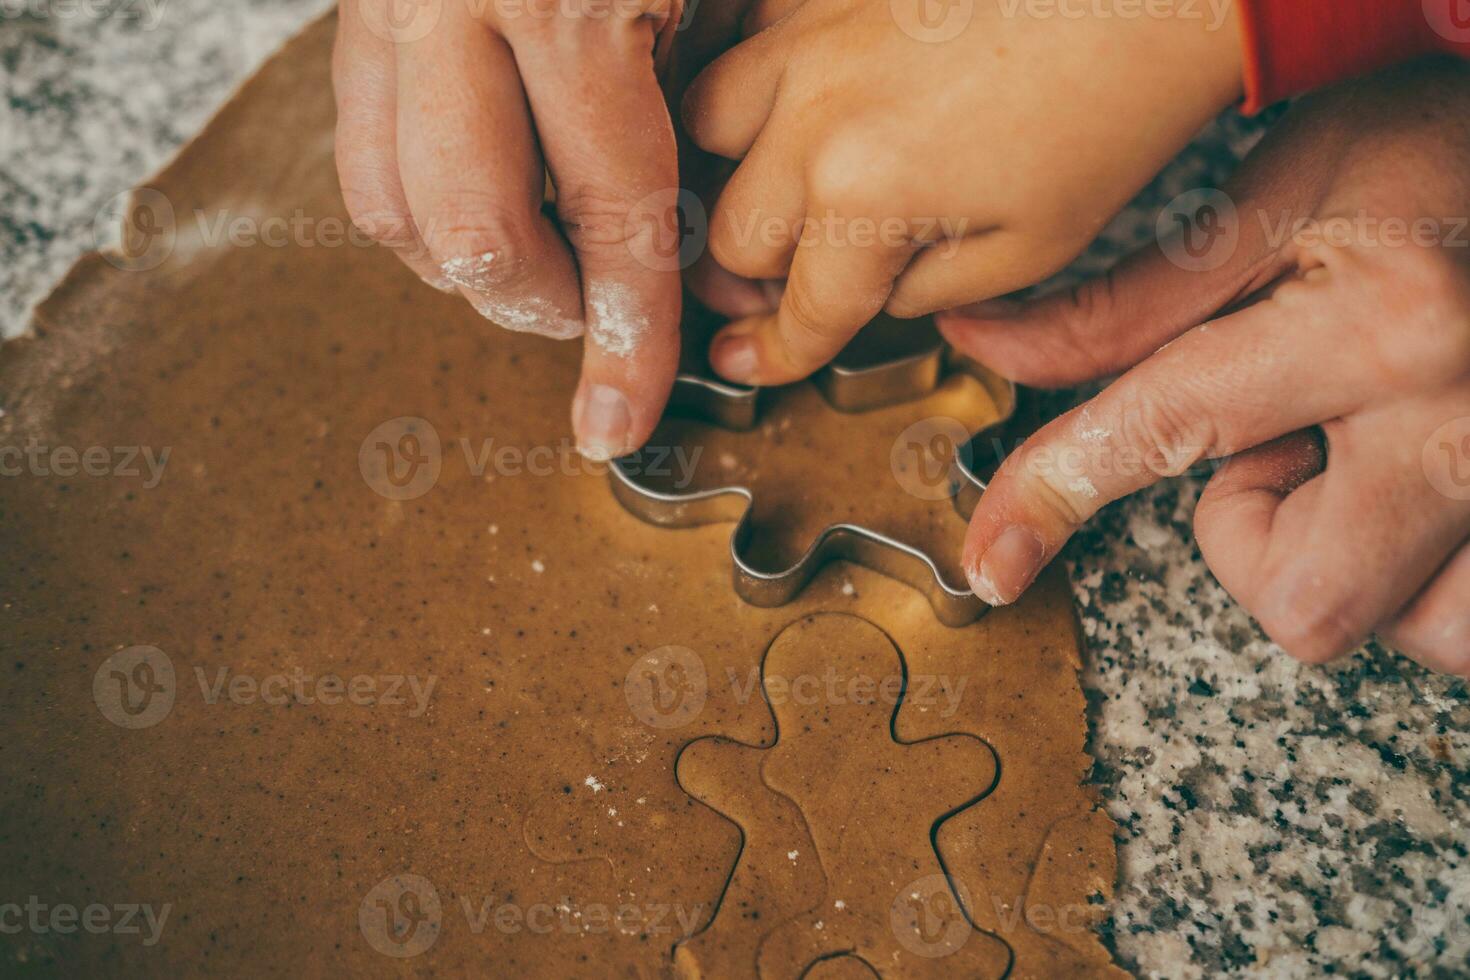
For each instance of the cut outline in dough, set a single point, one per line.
(684, 957)
(845, 389)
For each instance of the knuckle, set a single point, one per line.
(1317, 627)
(750, 244)
(597, 220)
(1170, 437)
(1082, 311)
(856, 170)
(463, 225)
(701, 117)
(1053, 481)
(1056, 492)
(806, 336)
(1316, 642)
(1412, 309)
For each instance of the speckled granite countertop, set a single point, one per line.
(1273, 818)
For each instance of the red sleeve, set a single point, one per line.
(1295, 45)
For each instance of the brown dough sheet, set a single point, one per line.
(264, 551)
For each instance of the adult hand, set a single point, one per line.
(1337, 380)
(451, 113)
(895, 161)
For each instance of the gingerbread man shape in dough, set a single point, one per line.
(838, 819)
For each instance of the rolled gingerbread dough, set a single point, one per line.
(355, 681)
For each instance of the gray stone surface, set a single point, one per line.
(1273, 818)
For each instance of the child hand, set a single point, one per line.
(921, 166)
(445, 110)
(1337, 380)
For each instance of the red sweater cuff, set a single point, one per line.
(1292, 46)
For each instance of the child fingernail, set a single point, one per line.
(735, 357)
(603, 420)
(1008, 566)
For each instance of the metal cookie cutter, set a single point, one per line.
(847, 389)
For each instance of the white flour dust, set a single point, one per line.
(616, 325)
(478, 275)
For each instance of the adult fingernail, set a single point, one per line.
(603, 420)
(1008, 566)
(735, 357)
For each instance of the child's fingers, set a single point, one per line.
(475, 180)
(728, 294)
(833, 291)
(727, 105)
(760, 215)
(365, 80)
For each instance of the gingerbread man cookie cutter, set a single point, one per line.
(846, 389)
